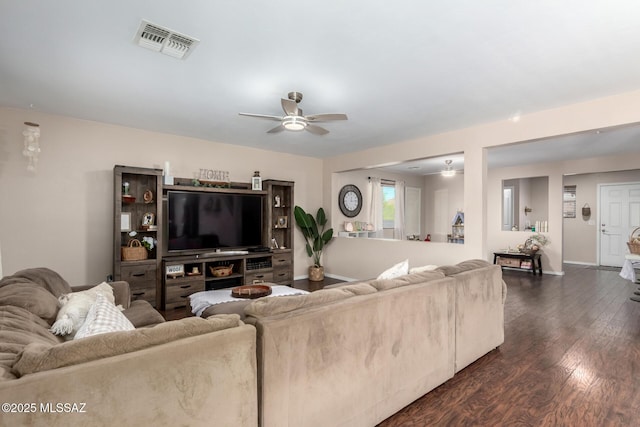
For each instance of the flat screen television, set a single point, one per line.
(210, 221)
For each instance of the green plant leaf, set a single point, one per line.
(301, 218)
(312, 226)
(321, 217)
(309, 251)
(326, 237)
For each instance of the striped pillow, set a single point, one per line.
(103, 317)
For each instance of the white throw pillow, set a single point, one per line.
(103, 317)
(423, 268)
(74, 309)
(400, 269)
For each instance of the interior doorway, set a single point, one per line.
(619, 214)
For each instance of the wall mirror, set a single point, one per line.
(525, 204)
(413, 200)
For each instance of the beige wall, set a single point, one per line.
(62, 216)
(453, 188)
(357, 258)
(581, 234)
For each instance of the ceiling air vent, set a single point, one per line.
(164, 40)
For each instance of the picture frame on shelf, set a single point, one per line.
(148, 219)
(282, 222)
(125, 221)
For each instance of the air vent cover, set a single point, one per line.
(164, 40)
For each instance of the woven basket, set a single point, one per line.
(134, 251)
(634, 242)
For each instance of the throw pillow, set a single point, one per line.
(103, 317)
(400, 269)
(423, 268)
(74, 309)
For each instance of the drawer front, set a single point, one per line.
(138, 273)
(282, 275)
(280, 260)
(147, 294)
(265, 276)
(179, 292)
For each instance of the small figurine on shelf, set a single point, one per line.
(125, 188)
(276, 202)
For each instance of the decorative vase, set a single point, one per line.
(316, 274)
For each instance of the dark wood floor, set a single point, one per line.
(571, 357)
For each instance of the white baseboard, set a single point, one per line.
(580, 263)
(336, 276)
(553, 273)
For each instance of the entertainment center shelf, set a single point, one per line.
(185, 275)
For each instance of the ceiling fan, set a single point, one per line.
(295, 120)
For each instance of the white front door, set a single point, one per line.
(619, 215)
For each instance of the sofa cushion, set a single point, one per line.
(39, 357)
(141, 313)
(103, 317)
(46, 278)
(32, 297)
(409, 279)
(19, 328)
(264, 307)
(471, 264)
(429, 267)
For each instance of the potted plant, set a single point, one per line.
(313, 230)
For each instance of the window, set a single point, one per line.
(388, 205)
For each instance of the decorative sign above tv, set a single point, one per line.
(214, 175)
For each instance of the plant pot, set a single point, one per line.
(316, 274)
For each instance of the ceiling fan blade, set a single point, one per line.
(262, 116)
(290, 107)
(276, 129)
(316, 130)
(325, 117)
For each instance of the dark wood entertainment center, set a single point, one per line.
(165, 279)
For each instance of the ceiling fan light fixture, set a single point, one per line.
(294, 123)
(448, 170)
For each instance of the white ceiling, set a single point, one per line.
(399, 69)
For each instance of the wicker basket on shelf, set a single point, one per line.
(634, 241)
(134, 251)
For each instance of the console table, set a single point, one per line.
(519, 260)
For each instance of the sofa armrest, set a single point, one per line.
(121, 292)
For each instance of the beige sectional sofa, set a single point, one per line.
(349, 355)
(354, 354)
(191, 372)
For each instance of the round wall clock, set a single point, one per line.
(350, 200)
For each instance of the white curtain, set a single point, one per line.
(375, 209)
(398, 220)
